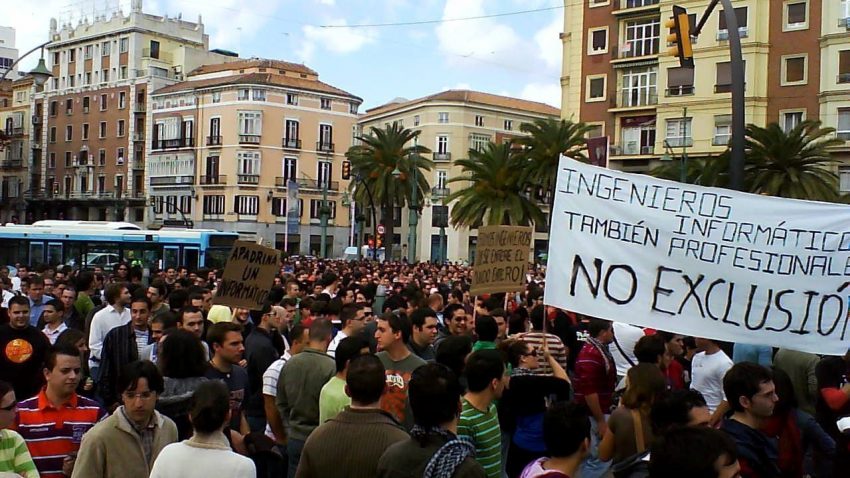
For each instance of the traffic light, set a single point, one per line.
(680, 36)
(346, 170)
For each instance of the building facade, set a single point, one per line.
(94, 110)
(8, 52)
(227, 143)
(451, 123)
(618, 76)
(21, 142)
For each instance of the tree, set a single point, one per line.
(383, 152)
(547, 139)
(497, 194)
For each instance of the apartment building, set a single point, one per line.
(452, 122)
(21, 134)
(229, 141)
(8, 52)
(94, 109)
(617, 74)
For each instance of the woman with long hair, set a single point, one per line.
(181, 361)
(629, 433)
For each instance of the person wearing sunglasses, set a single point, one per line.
(14, 456)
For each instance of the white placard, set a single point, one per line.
(699, 261)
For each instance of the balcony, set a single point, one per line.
(36, 144)
(290, 143)
(635, 99)
(249, 139)
(252, 179)
(169, 180)
(323, 147)
(442, 156)
(636, 6)
(631, 148)
(316, 185)
(210, 180)
(12, 164)
(439, 193)
(139, 108)
(139, 164)
(213, 140)
(15, 131)
(173, 143)
(138, 137)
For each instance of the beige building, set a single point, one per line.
(21, 132)
(226, 142)
(617, 75)
(452, 122)
(94, 110)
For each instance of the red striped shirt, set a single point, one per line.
(54, 433)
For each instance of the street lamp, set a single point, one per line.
(40, 74)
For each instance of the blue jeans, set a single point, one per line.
(293, 454)
(592, 466)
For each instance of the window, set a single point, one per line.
(791, 120)
(214, 204)
(326, 135)
(85, 131)
(290, 169)
(324, 173)
(54, 107)
(86, 104)
(87, 53)
(639, 87)
(101, 183)
(248, 163)
(279, 207)
(67, 159)
(596, 88)
(259, 95)
(101, 157)
(680, 81)
(69, 106)
(442, 144)
(120, 128)
(844, 66)
(291, 132)
(103, 102)
(793, 70)
(325, 103)
(123, 45)
(123, 72)
(69, 132)
(479, 120)
(722, 130)
(598, 41)
(416, 120)
(478, 141)
(105, 48)
(316, 209)
(119, 157)
(250, 123)
(248, 205)
(724, 77)
(55, 58)
(679, 132)
(122, 99)
(243, 94)
(740, 15)
(642, 37)
(71, 81)
(51, 161)
(216, 97)
(88, 78)
(352, 108)
(154, 50)
(101, 133)
(796, 15)
(52, 134)
(292, 99)
(72, 55)
(509, 125)
(442, 117)
(442, 178)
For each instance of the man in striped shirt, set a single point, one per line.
(54, 421)
(535, 339)
(479, 420)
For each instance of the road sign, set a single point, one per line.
(381, 229)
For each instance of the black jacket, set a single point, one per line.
(119, 349)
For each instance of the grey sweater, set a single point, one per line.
(298, 388)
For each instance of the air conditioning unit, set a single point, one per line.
(722, 35)
(178, 76)
(844, 22)
(120, 161)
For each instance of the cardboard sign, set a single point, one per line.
(700, 261)
(501, 259)
(248, 276)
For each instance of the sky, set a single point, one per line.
(518, 54)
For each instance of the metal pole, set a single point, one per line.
(414, 216)
(12, 66)
(736, 164)
(684, 174)
(324, 244)
(443, 252)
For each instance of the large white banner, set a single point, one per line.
(699, 261)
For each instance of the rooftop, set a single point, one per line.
(268, 79)
(253, 63)
(468, 96)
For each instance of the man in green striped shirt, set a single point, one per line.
(479, 421)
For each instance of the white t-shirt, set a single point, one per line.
(627, 336)
(270, 378)
(707, 376)
(335, 343)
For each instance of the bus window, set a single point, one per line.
(103, 255)
(190, 258)
(36, 253)
(142, 255)
(54, 253)
(171, 257)
(216, 258)
(74, 254)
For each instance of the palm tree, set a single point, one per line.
(547, 139)
(794, 164)
(385, 162)
(496, 192)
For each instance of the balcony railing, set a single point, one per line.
(637, 98)
(249, 139)
(680, 142)
(281, 181)
(683, 90)
(291, 143)
(160, 55)
(638, 48)
(213, 179)
(437, 193)
(248, 178)
(445, 156)
(631, 148)
(173, 143)
(139, 108)
(323, 147)
(166, 180)
(319, 185)
(626, 4)
(11, 164)
(15, 131)
(138, 137)
(139, 164)
(213, 140)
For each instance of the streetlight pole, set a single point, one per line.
(40, 73)
(684, 173)
(324, 215)
(414, 214)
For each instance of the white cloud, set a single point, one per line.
(549, 93)
(458, 86)
(486, 39)
(326, 2)
(335, 40)
(549, 42)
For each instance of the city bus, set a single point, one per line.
(89, 244)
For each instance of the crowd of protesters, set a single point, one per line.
(361, 369)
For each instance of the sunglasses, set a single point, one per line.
(533, 353)
(10, 407)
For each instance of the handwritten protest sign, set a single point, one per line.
(248, 275)
(501, 259)
(700, 261)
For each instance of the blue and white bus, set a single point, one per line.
(89, 244)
